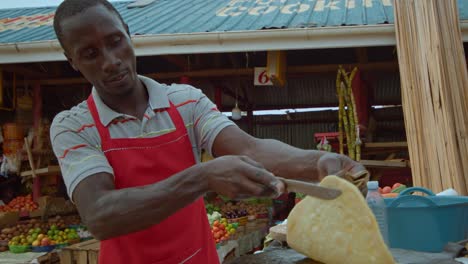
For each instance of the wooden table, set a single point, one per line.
(275, 256)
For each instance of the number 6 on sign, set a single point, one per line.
(261, 77)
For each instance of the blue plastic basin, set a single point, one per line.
(426, 223)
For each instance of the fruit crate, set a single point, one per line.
(8, 219)
(86, 252)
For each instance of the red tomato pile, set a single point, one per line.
(20, 203)
(219, 232)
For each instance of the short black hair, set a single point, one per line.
(69, 8)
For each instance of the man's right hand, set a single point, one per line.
(240, 177)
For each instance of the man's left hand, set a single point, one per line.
(344, 167)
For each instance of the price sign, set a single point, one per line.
(261, 76)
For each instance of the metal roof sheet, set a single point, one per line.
(182, 16)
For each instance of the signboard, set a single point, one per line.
(261, 77)
(21, 22)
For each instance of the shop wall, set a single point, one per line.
(317, 90)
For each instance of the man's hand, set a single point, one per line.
(343, 166)
(289, 162)
(240, 177)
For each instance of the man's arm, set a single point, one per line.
(280, 158)
(109, 212)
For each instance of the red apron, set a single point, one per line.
(185, 236)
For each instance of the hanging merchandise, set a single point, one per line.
(348, 123)
(236, 112)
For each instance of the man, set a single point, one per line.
(129, 155)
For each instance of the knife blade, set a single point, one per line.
(311, 189)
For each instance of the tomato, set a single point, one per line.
(396, 185)
(221, 226)
(386, 189)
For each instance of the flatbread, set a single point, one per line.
(339, 231)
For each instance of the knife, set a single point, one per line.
(310, 189)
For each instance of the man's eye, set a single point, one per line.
(89, 53)
(116, 39)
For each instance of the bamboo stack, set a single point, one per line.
(434, 85)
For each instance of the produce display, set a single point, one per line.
(214, 216)
(210, 208)
(83, 233)
(37, 237)
(230, 220)
(42, 236)
(19, 204)
(232, 210)
(299, 197)
(222, 230)
(342, 230)
(393, 191)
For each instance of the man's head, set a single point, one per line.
(97, 43)
(70, 8)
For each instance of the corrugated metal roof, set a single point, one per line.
(179, 16)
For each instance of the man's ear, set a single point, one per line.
(70, 60)
(127, 29)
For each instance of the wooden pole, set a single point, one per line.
(37, 114)
(434, 84)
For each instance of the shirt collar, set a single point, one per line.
(157, 99)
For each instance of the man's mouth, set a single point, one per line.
(117, 78)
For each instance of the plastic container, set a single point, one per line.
(62, 245)
(426, 223)
(377, 205)
(43, 248)
(19, 249)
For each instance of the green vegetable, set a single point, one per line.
(399, 189)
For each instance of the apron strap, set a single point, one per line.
(176, 119)
(102, 130)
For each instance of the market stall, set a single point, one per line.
(348, 66)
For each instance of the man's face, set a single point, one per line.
(97, 44)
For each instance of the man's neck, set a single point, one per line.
(134, 103)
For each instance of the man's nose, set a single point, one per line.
(111, 62)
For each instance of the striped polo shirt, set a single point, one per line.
(77, 144)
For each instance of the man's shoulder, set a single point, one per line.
(73, 118)
(177, 91)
